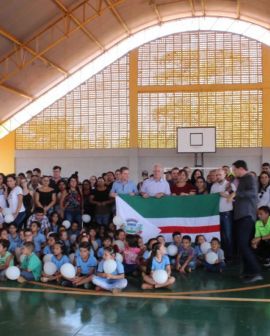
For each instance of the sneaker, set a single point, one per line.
(267, 262)
(254, 279)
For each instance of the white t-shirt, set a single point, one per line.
(13, 199)
(217, 187)
(264, 197)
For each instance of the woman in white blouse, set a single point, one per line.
(264, 190)
(15, 200)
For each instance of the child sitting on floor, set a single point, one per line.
(59, 259)
(219, 265)
(31, 266)
(199, 240)
(131, 254)
(158, 261)
(115, 281)
(86, 264)
(6, 258)
(185, 260)
(51, 239)
(106, 242)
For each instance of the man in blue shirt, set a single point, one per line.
(124, 185)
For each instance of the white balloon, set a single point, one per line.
(119, 257)
(13, 273)
(72, 257)
(205, 247)
(120, 244)
(109, 266)
(49, 268)
(172, 250)
(160, 276)
(7, 211)
(118, 221)
(211, 257)
(9, 218)
(68, 271)
(47, 257)
(22, 256)
(86, 218)
(66, 224)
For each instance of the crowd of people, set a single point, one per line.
(38, 205)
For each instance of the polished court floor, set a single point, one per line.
(199, 304)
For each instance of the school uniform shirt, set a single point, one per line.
(146, 254)
(33, 264)
(85, 266)
(60, 262)
(262, 230)
(198, 251)
(4, 258)
(14, 242)
(156, 265)
(3, 202)
(77, 253)
(119, 268)
(13, 199)
(38, 240)
(100, 252)
(47, 250)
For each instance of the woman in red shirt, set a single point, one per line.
(183, 187)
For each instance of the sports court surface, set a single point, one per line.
(199, 304)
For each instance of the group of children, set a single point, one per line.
(88, 248)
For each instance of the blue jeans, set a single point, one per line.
(102, 219)
(19, 219)
(73, 215)
(27, 275)
(226, 233)
(215, 268)
(245, 232)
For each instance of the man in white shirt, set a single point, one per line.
(224, 188)
(156, 186)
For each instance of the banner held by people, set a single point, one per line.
(191, 215)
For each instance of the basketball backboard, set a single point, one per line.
(196, 139)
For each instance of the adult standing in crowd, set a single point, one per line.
(174, 176)
(155, 186)
(245, 214)
(144, 177)
(266, 167)
(264, 190)
(56, 178)
(124, 185)
(45, 196)
(224, 189)
(15, 200)
(71, 203)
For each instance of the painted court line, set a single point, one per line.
(214, 291)
(139, 295)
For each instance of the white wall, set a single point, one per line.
(94, 162)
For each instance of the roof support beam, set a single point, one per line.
(63, 8)
(118, 16)
(192, 7)
(13, 39)
(16, 91)
(238, 9)
(203, 6)
(155, 8)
